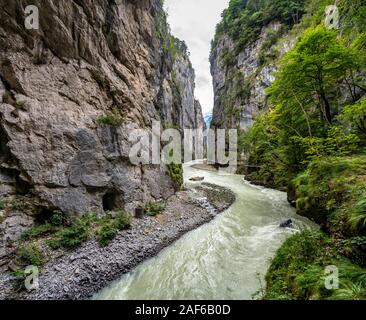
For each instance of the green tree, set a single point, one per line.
(309, 73)
(354, 117)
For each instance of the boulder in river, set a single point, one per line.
(196, 179)
(286, 224)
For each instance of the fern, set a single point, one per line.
(358, 216)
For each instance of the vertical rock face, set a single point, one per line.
(87, 59)
(177, 95)
(191, 116)
(240, 79)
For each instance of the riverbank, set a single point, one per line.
(81, 273)
(331, 193)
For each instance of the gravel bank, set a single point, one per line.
(85, 271)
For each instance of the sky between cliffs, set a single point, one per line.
(194, 21)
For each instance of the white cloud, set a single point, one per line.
(194, 21)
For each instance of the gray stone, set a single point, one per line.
(64, 76)
(247, 65)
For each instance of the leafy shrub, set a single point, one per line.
(51, 225)
(176, 173)
(20, 276)
(71, 234)
(154, 208)
(37, 232)
(106, 234)
(71, 237)
(109, 227)
(336, 143)
(330, 191)
(30, 255)
(354, 117)
(113, 119)
(358, 215)
(58, 219)
(123, 220)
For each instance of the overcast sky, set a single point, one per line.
(194, 21)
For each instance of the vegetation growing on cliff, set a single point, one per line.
(245, 23)
(312, 140)
(176, 173)
(306, 122)
(113, 118)
(244, 20)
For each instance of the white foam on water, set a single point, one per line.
(225, 259)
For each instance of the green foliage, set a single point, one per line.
(337, 142)
(170, 45)
(267, 53)
(353, 117)
(275, 164)
(109, 227)
(174, 47)
(331, 191)
(37, 232)
(227, 57)
(358, 215)
(298, 270)
(353, 17)
(51, 225)
(106, 234)
(2, 204)
(113, 118)
(122, 220)
(360, 46)
(58, 219)
(244, 20)
(176, 173)
(30, 255)
(20, 277)
(72, 236)
(302, 126)
(309, 74)
(154, 208)
(67, 234)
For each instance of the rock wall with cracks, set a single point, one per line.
(86, 59)
(241, 78)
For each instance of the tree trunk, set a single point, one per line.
(328, 113)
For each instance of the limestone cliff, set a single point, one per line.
(240, 78)
(177, 92)
(88, 59)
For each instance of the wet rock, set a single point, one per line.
(197, 179)
(286, 224)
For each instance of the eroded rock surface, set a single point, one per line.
(88, 59)
(240, 79)
(82, 273)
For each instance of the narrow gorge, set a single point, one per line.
(288, 77)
